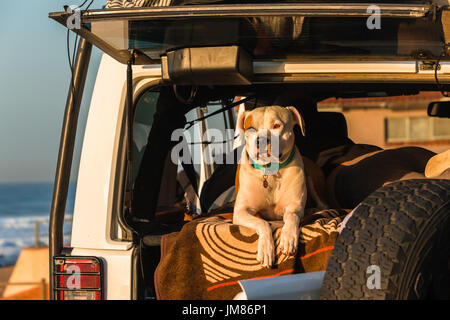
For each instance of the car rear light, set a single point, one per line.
(77, 278)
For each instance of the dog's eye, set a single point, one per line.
(276, 126)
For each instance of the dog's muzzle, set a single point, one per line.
(267, 148)
(263, 146)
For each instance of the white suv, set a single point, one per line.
(209, 57)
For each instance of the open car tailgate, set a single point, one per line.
(286, 33)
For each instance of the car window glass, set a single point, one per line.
(215, 138)
(145, 110)
(392, 121)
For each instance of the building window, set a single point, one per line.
(416, 129)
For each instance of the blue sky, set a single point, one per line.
(34, 78)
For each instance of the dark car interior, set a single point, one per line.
(325, 130)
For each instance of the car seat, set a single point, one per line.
(329, 130)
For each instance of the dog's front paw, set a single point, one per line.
(289, 240)
(266, 251)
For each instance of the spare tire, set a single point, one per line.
(395, 245)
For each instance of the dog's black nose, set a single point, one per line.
(263, 141)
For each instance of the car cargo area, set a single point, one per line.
(190, 248)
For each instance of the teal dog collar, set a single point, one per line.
(273, 167)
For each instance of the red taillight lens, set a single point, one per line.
(85, 282)
(77, 278)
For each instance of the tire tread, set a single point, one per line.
(382, 231)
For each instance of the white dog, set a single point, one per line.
(272, 183)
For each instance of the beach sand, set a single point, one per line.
(5, 273)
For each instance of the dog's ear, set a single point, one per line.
(241, 120)
(239, 132)
(298, 119)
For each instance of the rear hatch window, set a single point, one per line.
(286, 31)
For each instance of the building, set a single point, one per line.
(391, 122)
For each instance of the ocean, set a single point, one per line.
(21, 204)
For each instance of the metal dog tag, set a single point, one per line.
(265, 183)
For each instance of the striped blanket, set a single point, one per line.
(207, 258)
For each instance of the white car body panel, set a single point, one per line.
(94, 195)
(301, 286)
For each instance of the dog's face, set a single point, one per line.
(269, 134)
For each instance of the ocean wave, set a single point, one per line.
(21, 204)
(18, 233)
